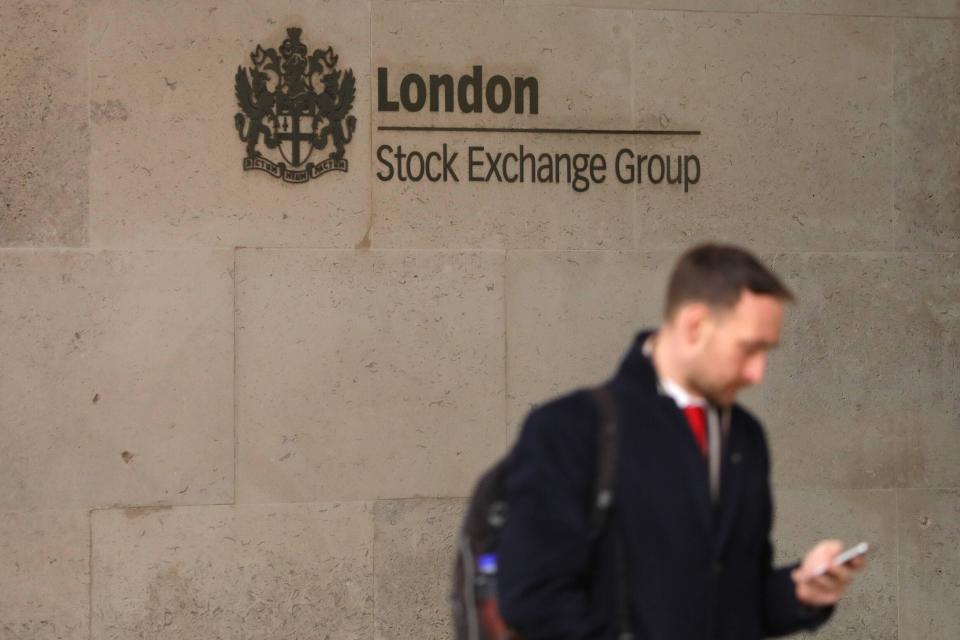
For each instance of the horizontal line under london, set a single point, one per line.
(631, 132)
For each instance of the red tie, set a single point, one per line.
(697, 417)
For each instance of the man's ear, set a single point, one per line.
(692, 322)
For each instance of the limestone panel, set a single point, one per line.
(116, 383)
(44, 575)
(372, 374)
(804, 518)
(43, 124)
(580, 60)
(250, 572)
(749, 6)
(862, 392)
(927, 135)
(924, 8)
(929, 564)
(166, 153)
(414, 547)
(794, 114)
(571, 315)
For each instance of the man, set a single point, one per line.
(689, 532)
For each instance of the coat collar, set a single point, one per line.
(636, 369)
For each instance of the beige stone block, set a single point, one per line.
(372, 374)
(919, 8)
(572, 315)
(927, 135)
(251, 572)
(44, 575)
(43, 124)
(861, 393)
(869, 607)
(929, 564)
(580, 59)
(414, 547)
(795, 118)
(166, 156)
(748, 6)
(116, 383)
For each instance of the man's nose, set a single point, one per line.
(756, 365)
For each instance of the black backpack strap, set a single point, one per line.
(607, 463)
(607, 451)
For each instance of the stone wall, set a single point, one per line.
(236, 408)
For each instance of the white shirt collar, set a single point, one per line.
(681, 396)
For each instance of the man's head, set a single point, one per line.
(723, 314)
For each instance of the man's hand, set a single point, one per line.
(826, 589)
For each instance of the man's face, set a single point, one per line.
(733, 347)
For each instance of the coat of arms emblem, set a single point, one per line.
(295, 103)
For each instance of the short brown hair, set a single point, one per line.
(716, 274)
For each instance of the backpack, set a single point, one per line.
(476, 612)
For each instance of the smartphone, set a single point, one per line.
(850, 554)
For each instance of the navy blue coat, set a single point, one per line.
(693, 571)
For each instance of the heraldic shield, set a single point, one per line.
(293, 104)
